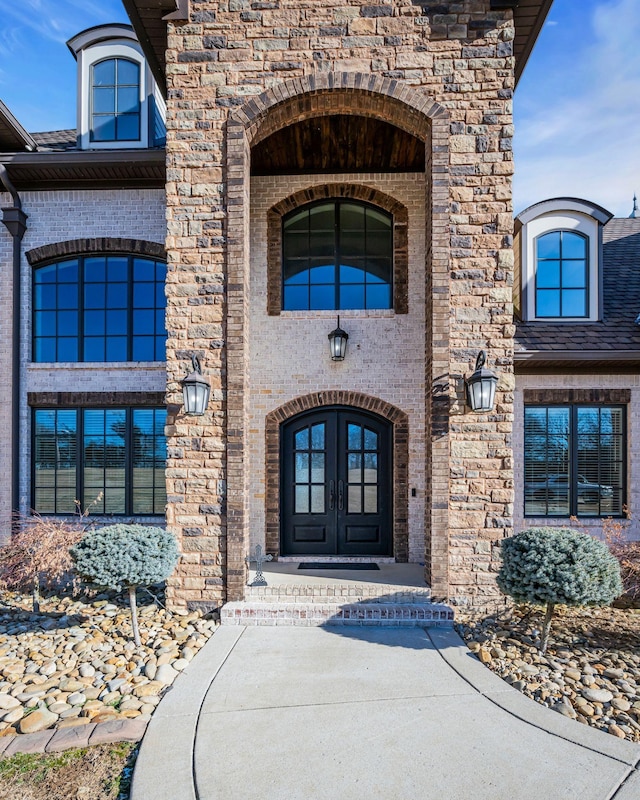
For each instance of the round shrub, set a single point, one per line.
(558, 566)
(118, 556)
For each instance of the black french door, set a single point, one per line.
(336, 484)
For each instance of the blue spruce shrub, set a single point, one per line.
(558, 566)
(118, 556)
(126, 556)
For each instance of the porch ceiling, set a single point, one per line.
(338, 143)
(147, 18)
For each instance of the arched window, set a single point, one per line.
(99, 308)
(337, 255)
(562, 275)
(115, 100)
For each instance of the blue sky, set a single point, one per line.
(577, 107)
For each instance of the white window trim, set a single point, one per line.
(566, 221)
(86, 59)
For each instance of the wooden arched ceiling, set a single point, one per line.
(338, 143)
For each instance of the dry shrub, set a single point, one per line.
(37, 555)
(627, 553)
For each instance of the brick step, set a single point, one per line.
(337, 594)
(421, 615)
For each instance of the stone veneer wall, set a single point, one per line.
(240, 70)
(615, 389)
(53, 217)
(385, 350)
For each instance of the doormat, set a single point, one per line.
(336, 565)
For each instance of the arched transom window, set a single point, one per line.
(337, 255)
(562, 277)
(99, 308)
(115, 100)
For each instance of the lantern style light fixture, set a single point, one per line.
(338, 343)
(195, 390)
(481, 386)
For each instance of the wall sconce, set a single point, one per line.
(481, 386)
(338, 343)
(195, 390)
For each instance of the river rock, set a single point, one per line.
(38, 720)
(597, 695)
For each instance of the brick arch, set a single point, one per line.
(407, 107)
(103, 244)
(332, 191)
(339, 397)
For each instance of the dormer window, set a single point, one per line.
(119, 105)
(562, 278)
(115, 101)
(558, 258)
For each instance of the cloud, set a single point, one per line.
(578, 135)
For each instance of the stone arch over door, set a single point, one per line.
(414, 111)
(400, 457)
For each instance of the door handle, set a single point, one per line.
(340, 495)
(332, 495)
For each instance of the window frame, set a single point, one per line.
(337, 203)
(94, 54)
(92, 113)
(573, 460)
(552, 216)
(129, 310)
(587, 286)
(79, 460)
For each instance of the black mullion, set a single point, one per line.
(546, 460)
(79, 456)
(128, 461)
(573, 449)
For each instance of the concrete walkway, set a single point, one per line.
(286, 713)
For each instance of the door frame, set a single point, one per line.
(399, 458)
(335, 418)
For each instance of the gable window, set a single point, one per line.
(558, 261)
(561, 275)
(115, 100)
(115, 454)
(99, 308)
(575, 458)
(337, 255)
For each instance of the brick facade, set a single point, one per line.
(382, 364)
(237, 73)
(62, 223)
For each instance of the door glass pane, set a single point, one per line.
(354, 436)
(370, 499)
(302, 467)
(302, 500)
(370, 439)
(317, 468)
(317, 499)
(317, 437)
(370, 468)
(354, 499)
(302, 439)
(355, 466)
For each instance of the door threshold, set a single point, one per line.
(337, 559)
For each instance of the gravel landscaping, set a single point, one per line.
(590, 673)
(74, 663)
